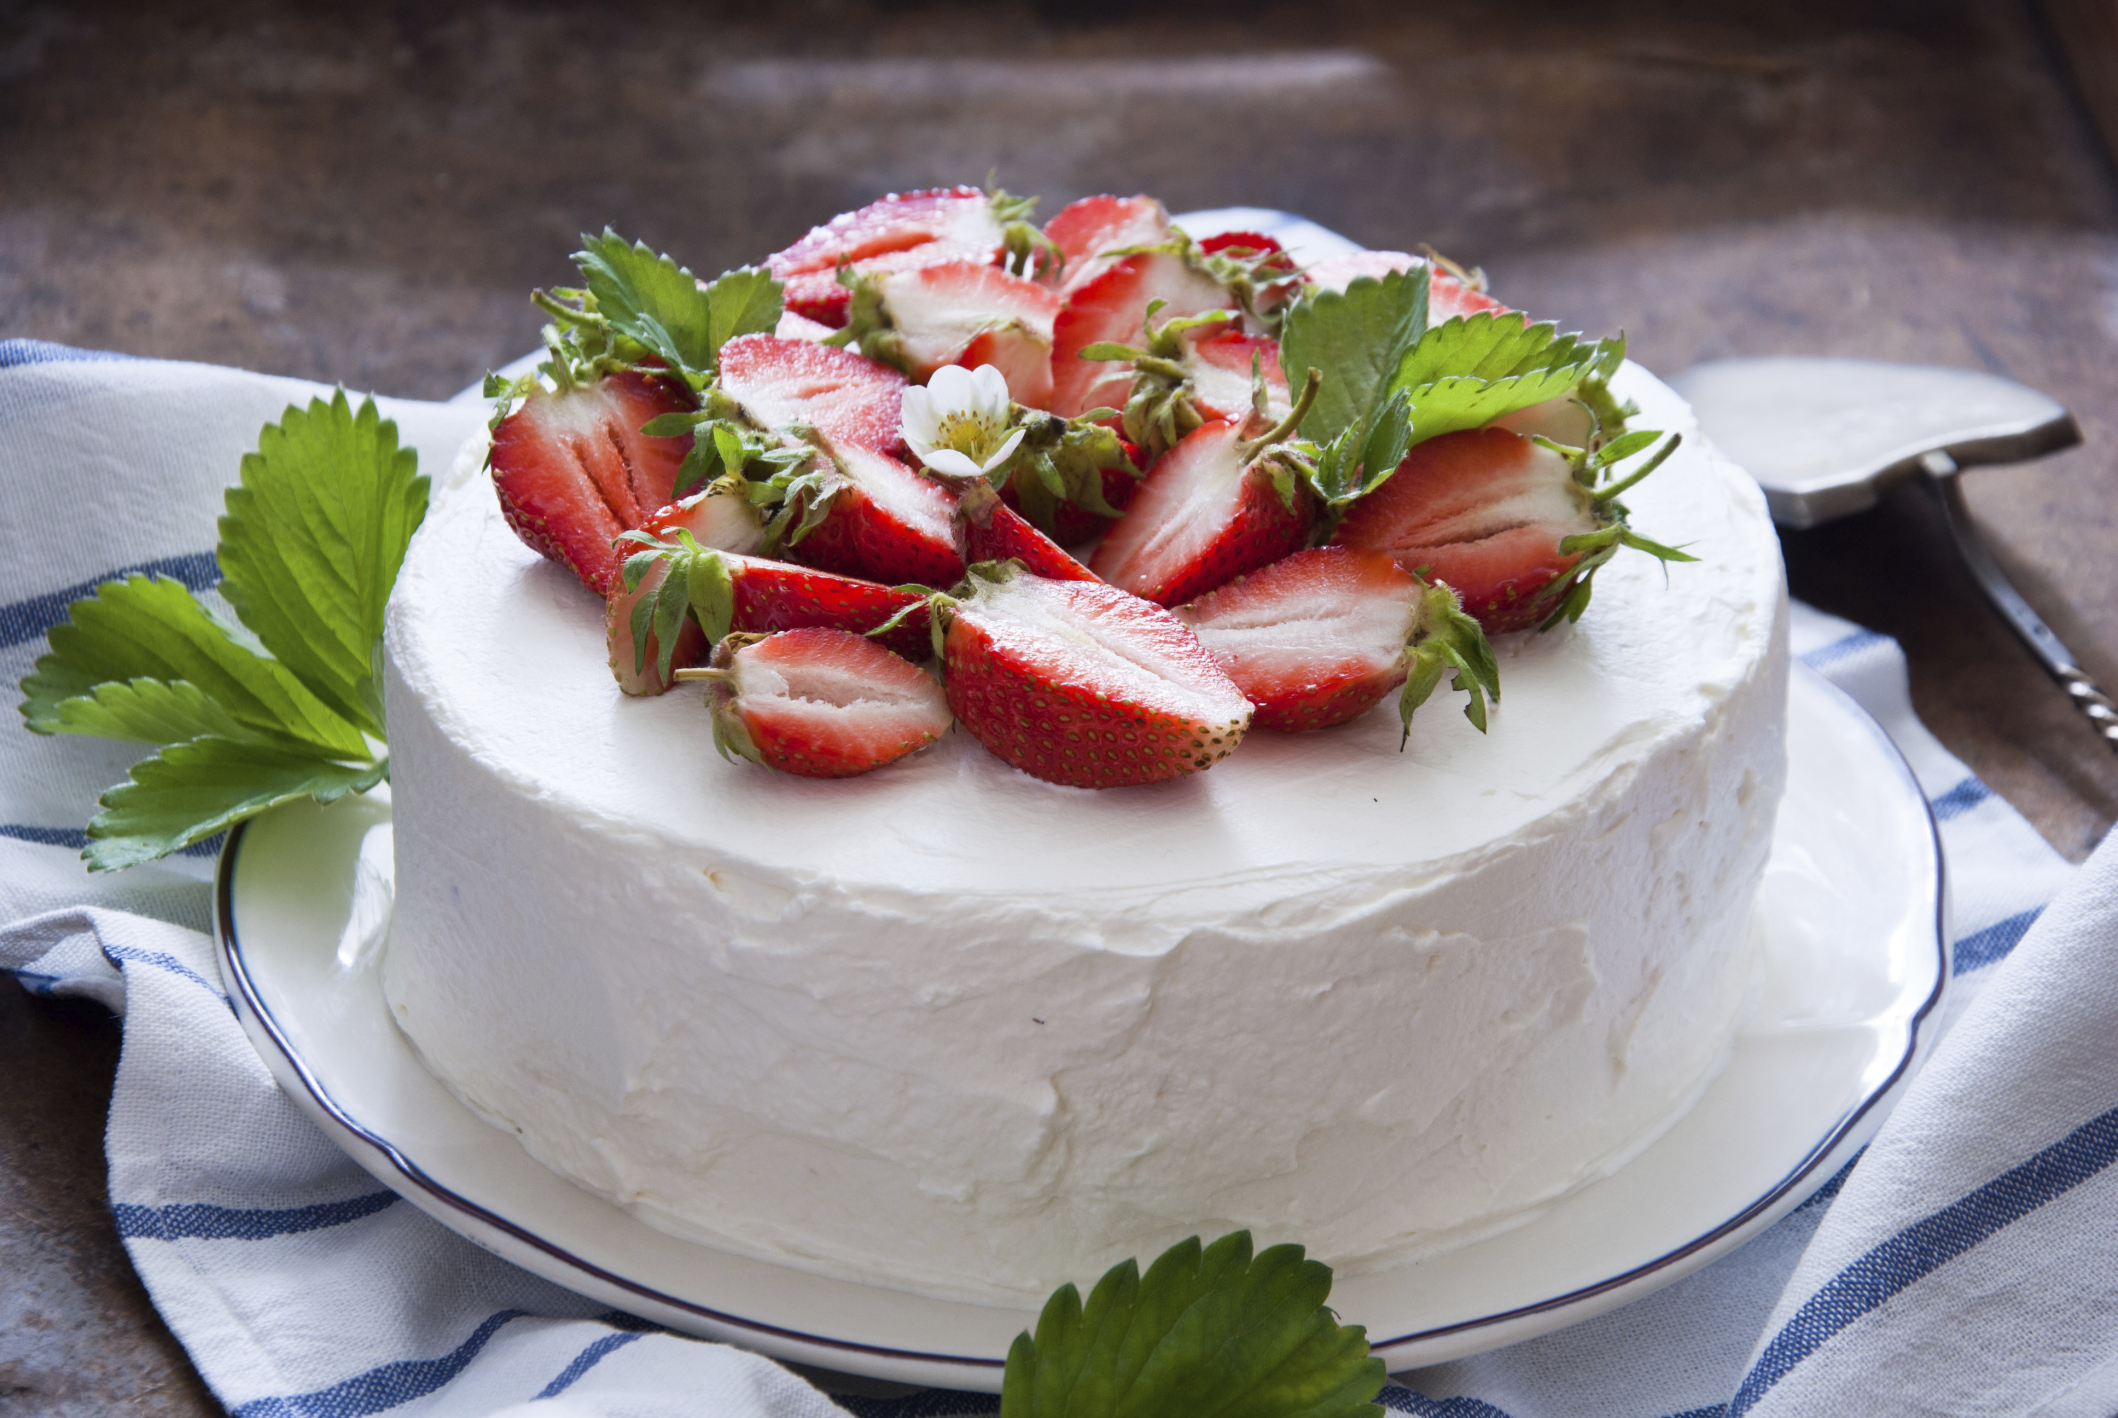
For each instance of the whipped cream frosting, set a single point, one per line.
(950, 1028)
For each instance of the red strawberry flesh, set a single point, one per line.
(899, 232)
(827, 704)
(967, 314)
(778, 595)
(1087, 229)
(1081, 684)
(1113, 306)
(1314, 639)
(841, 393)
(1200, 519)
(887, 524)
(1483, 510)
(990, 530)
(573, 470)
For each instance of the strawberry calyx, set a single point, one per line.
(1063, 461)
(1444, 638)
(1164, 403)
(1287, 462)
(1257, 271)
(1595, 469)
(695, 584)
(1024, 248)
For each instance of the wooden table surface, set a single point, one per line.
(368, 200)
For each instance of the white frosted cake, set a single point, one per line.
(953, 1029)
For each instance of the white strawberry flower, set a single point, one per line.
(958, 423)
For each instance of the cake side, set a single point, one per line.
(950, 1028)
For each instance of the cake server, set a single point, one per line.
(1828, 437)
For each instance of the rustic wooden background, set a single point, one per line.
(365, 195)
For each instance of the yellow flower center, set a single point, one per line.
(969, 434)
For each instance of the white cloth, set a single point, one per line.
(1967, 1263)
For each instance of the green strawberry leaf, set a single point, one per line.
(311, 543)
(190, 791)
(1360, 338)
(1467, 372)
(1207, 1333)
(159, 712)
(153, 628)
(653, 300)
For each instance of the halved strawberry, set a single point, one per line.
(987, 529)
(970, 315)
(1220, 367)
(1516, 528)
(1187, 373)
(1085, 230)
(1112, 308)
(1079, 683)
(573, 469)
(800, 327)
(1319, 637)
(718, 516)
(1214, 507)
(1448, 296)
(636, 660)
(742, 594)
(899, 232)
(819, 703)
(842, 394)
(885, 523)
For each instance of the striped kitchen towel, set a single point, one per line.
(1966, 1263)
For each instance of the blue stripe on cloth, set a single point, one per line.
(75, 838)
(185, 1221)
(1827, 655)
(1927, 1244)
(26, 620)
(117, 954)
(35, 981)
(587, 1359)
(1404, 1400)
(932, 1403)
(1960, 799)
(383, 1387)
(1983, 948)
(18, 352)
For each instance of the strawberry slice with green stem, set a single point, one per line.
(1320, 637)
(1078, 683)
(1518, 526)
(1090, 234)
(1113, 308)
(1193, 370)
(987, 529)
(674, 586)
(958, 313)
(906, 232)
(1214, 507)
(573, 469)
(819, 703)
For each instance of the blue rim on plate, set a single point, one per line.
(484, 1225)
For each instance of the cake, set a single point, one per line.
(949, 1028)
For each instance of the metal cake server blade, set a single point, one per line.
(1828, 437)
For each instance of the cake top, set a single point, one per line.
(1160, 492)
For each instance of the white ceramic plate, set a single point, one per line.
(1856, 959)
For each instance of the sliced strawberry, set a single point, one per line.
(988, 529)
(1246, 243)
(573, 469)
(1207, 512)
(637, 671)
(886, 523)
(1084, 230)
(820, 703)
(900, 232)
(1314, 639)
(1483, 510)
(1447, 297)
(778, 595)
(1079, 683)
(968, 314)
(1219, 364)
(800, 327)
(1320, 637)
(1113, 307)
(843, 394)
(719, 517)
